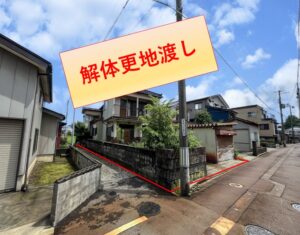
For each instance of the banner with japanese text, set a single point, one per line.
(138, 61)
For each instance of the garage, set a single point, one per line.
(242, 140)
(10, 145)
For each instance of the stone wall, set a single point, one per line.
(260, 150)
(71, 191)
(160, 166)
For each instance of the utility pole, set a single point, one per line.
(184, 149)
(73, 127)
(281, 106)
(298, 92)
(67, 111)
(292, 124)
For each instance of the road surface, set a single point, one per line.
(257, 193)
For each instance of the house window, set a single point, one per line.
(198, 106)
(251, 114)
(264, 126)
(35, 142)
(94, 131)
(109, 131)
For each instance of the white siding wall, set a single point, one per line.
(245, 135)
(18, 81)
(47, 135)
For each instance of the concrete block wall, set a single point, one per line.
(161, 166)
(71, 191)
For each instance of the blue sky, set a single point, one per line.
(257, 37)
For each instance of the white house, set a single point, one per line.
(246, 133)
(25, 83)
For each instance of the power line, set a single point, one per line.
(173, 8)
(116, 20)
(242, 80)
(142, 17)
(224, 60)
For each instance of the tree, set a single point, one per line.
(81, 131)
(159, 130)
(203, 117)
(291, 120)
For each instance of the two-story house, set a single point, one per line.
(27, 129)
(90, 117)
(210, 102)
(216, 106)
(118, 119)
(256, 114)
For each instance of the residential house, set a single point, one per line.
(215, 105)
(246, 132)
(90, 117)
(50, 132)
(267, 125)
(217, 138)
(293, 134)
(119, 117)
(25, 83)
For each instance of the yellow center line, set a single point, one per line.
(127, 226)
(222, 225)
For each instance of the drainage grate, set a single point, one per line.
(236, 185)
(296, 206)
(257, 230)
(148, 209)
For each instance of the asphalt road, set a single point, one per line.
(257, 193)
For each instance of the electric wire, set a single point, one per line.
(116, 20)
(217, 51)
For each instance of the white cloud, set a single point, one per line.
(296, 33)
(30, 23)
(201, 90)
(236, 16)
(255, 58)
(60, 98)
(51, 26)
(236, 97)
(283, 79)
(5, 20)
(224, 37)
(227, 15)
(241, 12)
(237, 81)
(249, 4)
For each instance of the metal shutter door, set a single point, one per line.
(10, 143)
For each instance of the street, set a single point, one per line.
(257, 193)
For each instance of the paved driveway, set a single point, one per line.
(18, 208)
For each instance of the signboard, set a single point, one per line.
(138, 61)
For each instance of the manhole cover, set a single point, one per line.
(148, 209)
(236, 185)
(296, 206)
(257, 230)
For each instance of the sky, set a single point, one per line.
(258, 38)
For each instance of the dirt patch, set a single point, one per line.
(134, 182)
(125, 204)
